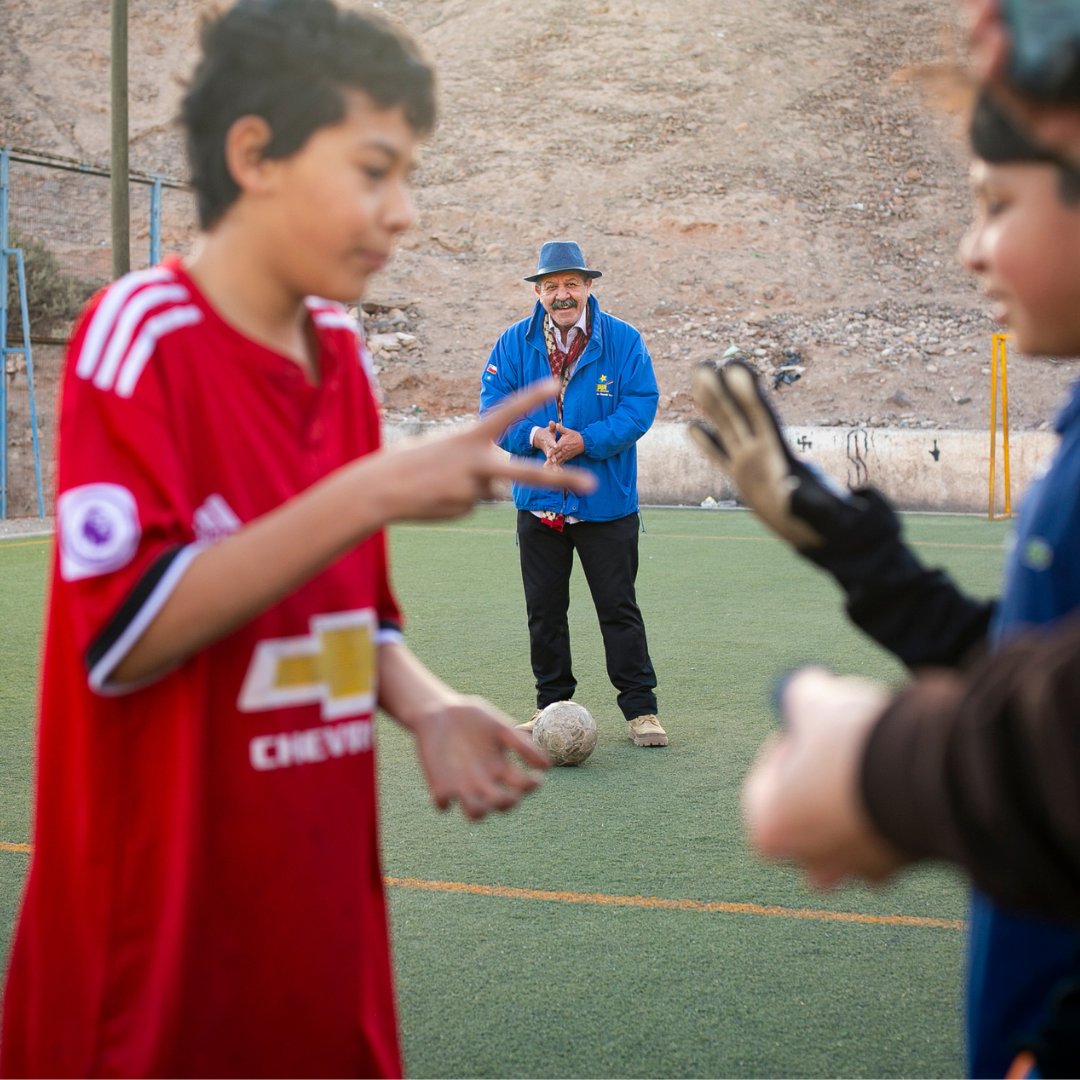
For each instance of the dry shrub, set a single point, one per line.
(53, 296)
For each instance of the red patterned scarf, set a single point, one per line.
(562, 363)
(562, 366)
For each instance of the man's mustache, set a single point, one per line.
(562, 305)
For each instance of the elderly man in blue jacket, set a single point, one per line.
(606, 402)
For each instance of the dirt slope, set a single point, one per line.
(747, 174)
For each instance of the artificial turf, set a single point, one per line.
(494, 986)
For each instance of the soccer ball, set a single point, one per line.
(567, 731)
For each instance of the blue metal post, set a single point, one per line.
(3, 330)
(155, 222)
(5, 351)
(21, 270)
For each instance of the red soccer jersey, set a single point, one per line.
(205, 896)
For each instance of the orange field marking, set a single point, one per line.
(674, 905)
(691, 536)
(26, 543)
(508, 893)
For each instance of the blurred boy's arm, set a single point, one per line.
(917, 613)
(981, 769)
(231, 582)
(984, 770)
(463, 742)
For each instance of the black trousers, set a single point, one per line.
(608, 551)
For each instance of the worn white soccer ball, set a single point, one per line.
(567, 731)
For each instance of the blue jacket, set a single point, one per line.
(1015, 960)
(611, 399)
(1042, 572)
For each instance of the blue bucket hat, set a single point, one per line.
(559, 255)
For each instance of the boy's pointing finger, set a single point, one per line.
(579, 481)
(509, 409)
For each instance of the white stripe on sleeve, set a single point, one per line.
(336, 320)
(154, 329)
(105, 316)
(133, 314)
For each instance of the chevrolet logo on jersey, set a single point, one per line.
(333, 666)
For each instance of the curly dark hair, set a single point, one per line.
(288, 62)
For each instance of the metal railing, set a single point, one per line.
(63, 204)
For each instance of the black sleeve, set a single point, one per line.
(917, 614)
(983, 769)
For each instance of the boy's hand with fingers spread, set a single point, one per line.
(802, 800)
(447, 477)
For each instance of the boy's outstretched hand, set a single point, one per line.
(446, 477)
(802, 800)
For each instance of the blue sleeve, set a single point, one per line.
(502, 377)
(633, 416)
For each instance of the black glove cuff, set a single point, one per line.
(861, 536)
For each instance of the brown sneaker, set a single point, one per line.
(646, 731)
(529, 724)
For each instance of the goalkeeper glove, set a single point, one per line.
(800, 503)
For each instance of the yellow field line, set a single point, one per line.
(26, 543)
(674, 905)
(689, 536)
(508, 893)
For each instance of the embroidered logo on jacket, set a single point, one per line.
(333, 666)
(603, 386)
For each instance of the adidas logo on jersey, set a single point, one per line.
(133, 315)
(214, 520)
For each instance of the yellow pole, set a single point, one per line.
(993, 420)
(999, 359)
(1005, 424)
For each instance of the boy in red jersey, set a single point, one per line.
(205, 896)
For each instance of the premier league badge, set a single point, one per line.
(98, 529)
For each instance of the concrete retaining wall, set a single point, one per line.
(917, 469)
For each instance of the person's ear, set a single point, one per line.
(536, 287)
(245, 142)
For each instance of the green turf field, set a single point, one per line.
(493, 985)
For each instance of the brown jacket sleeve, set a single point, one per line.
(983, 769)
